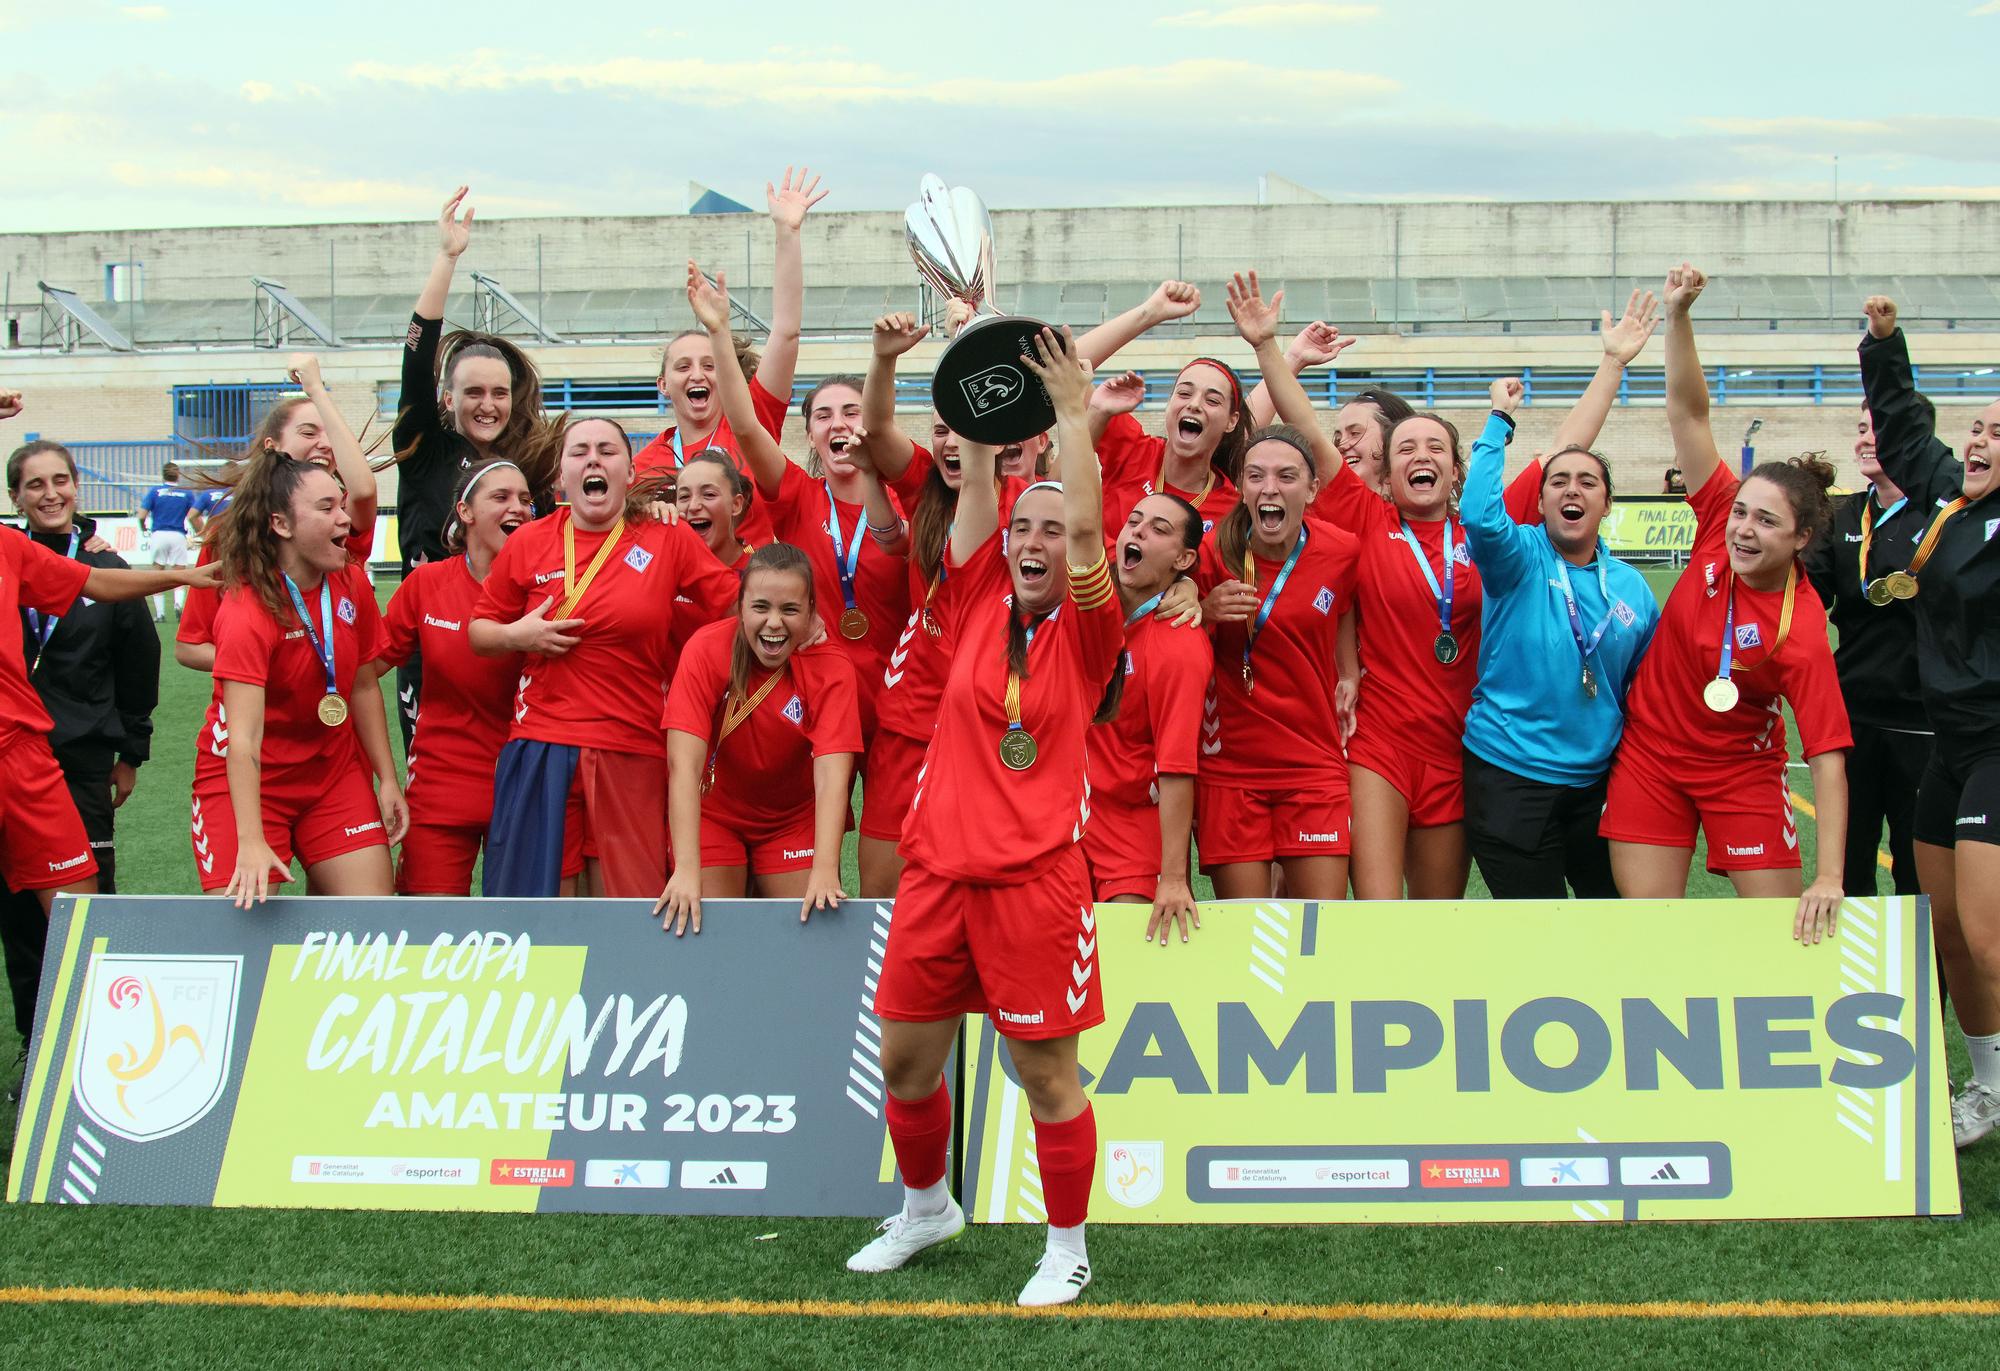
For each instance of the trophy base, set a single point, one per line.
(982, 391)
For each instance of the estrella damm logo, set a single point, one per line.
(156, 1041)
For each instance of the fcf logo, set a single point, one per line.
(1133, 1172)
(157, 1034)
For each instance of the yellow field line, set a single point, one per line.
(1801, 802)
(946, 1309)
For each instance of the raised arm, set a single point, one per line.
(1501, 548)
(789, 203)
(978, 516)
(895, 334)
(1623, 340)
(886, 524)
(1169, 301)
(710, 303)
(454, 233)
(348, 460)
(1257, 322)
(1316, 344)
(1065, 375)
(1905, 445)
(1687, 386)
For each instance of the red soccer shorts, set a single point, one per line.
(726, 840)
(1746, 813)
(1122, 845)
(893, 764)
(438, 859)
(1262, 825)
(307, 814)
(42, 842)
(617, 815)
(1434, 791)
(1025, 953)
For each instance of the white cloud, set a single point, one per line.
(1272, 16)
(145, 12)
(856, 83)
(257, 92)
(1990, 7)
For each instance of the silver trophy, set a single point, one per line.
(980, 388)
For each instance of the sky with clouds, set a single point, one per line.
(139, 116)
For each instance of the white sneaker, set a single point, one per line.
(1059, 1279)
(1974, 1114)
(905, 1235)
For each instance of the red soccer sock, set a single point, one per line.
(1067, 1153)
(920, 1131)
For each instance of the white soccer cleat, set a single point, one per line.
(1974, 1114)
(1059, 1279)
(905, 1235)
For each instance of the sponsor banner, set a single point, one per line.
(1497, 1061)
(457, 1054)
(1649, 526)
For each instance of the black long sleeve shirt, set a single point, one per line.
(426, 478)
(1958, 598)
(99, 675)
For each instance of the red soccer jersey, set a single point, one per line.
(197, 618)
(31, 577)
(763, 770)
(664, 454)
(1158, 728)
(468, 699)
(1282, 733)
(805, 513)
(1134, 464)
(913, 677)
(1664, 712)
(255, 648)
(651, 593)
(973, 819)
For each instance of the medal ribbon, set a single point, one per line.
(322, 647)
(1143, 610)
(1160, 482)
(1012, 700)
(846, 563)
(736, 710)
(1925, 548)
(1271, 601)
(1868, 529)
(573, 588)
(1586, 643)
(1784, 621)
(1441, 595)
(43, 626)
(680, 459)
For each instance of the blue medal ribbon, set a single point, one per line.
(322, 648)
(1143, 610)
(43, 626)
(1586, 643)
(1271, 601)
(849, 561)
(1441, 595)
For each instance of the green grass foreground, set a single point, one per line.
(597, 1257)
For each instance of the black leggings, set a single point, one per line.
(23, 927)
(1882, 774)
(1533, 840)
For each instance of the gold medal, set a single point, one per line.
(1445, 649)
(1720, 695)
(1902, 585)
(853, 625)
(1589, 684)
(930, 622)
(1879, 593)
(1249, 680)
(1017, 749)
(332, 710)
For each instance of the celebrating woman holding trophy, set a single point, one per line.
(993, 913)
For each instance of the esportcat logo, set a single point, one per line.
(157, 1039)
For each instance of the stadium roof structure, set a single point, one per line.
(1444, 305)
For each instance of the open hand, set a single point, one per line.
(708, 299)
(1256, 318)
(1626, 338)
(790, 201)
(1064, 375)
(454, 232)
(896, 334)
(257, 868)
(537, 633)
(679, 905)
(1819, 911)
(1317, 344)
(1119, 395)
(1173, 903)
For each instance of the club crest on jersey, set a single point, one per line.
(1462, 555)
(1747, 636)
(1622, 612)
(638, 559)
(1208, 526)
(346, 610)
(1323, 602)
(795, 710)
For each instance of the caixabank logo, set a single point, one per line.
(156, 1041)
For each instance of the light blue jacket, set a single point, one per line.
(1530, 714)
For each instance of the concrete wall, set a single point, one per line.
(1867, 238)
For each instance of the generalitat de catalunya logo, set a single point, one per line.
(157, 1037)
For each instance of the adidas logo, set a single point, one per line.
(1666, 1173)
(727, 1176)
